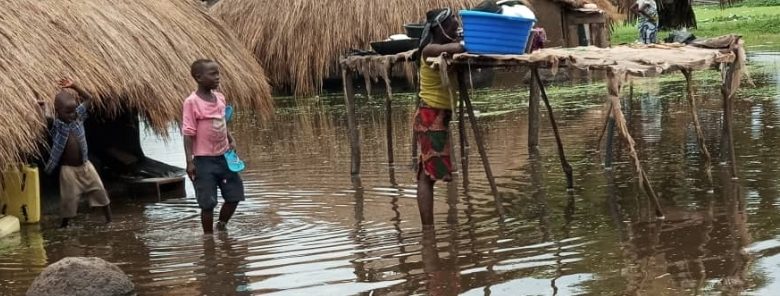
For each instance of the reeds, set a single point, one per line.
(132, 55)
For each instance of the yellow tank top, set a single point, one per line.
(432, 92)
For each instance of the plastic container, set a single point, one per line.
(490, 33)
(21, 193)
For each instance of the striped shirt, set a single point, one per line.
(60, 133)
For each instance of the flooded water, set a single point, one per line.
(305, 230)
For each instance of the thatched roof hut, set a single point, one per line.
(299, 41)
(134, 55)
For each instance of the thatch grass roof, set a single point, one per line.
(133, 55)
(299, 41)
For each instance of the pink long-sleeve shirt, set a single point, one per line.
(205, 121)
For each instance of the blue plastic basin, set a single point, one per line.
(490, 33)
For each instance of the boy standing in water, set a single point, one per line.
(78, 176)
(431, 122)
(206, 140)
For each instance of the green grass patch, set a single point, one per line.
(758, 22)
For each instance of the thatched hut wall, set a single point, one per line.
(133, 55)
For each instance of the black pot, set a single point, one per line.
(394, 46)
(414, 30)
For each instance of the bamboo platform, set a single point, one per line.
(724, 53)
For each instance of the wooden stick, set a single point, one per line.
(464, 94)
(561, 153)
(613, 87)
(728, 119)
(414, 135)
(533, 116)
(604, 127)
(695, 115)
(464, 156)
(354, 137)
(389, 118)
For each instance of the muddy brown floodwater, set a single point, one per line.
(304, 229)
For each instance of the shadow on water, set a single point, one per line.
(305, 229)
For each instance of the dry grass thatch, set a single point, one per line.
(133, 55)
(299, 41)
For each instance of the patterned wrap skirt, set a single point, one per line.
(431, 127)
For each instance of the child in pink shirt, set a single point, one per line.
(206, 140)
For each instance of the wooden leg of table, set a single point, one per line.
(354, 137)
(415, 157)
(727, 138)
(614, 84)
(695, 116)
(561, 153)
(464, 156)
(609, 145)
(533, 115)
(464, 94)
(389, 123)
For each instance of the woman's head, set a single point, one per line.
(443, 25)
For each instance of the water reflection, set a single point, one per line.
(305, 229)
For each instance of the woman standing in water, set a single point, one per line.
(431, 123)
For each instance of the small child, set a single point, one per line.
(78, 177)
(206, 140)
(647, 11)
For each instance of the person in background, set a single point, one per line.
(539, 37)
(648, 20)
(78, 177)
(206, 140)
(431, 121)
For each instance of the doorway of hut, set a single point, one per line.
(115, 150)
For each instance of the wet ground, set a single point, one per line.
(305, 230)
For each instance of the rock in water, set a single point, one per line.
(76, 276)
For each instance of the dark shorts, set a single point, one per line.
(211, 172)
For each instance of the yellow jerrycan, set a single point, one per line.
(21, 194)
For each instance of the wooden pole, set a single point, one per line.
(610, 146)
(416, 105)
(561, 153)
(727, 138)
(464, 155)
(695, 115)
(533, 115)
(354, 137)
(464, 94)
(389, 119)
(614, 85)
